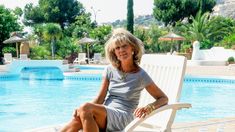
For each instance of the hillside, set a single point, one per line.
(144, 20)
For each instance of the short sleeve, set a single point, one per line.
(146, 79)
(107, 72)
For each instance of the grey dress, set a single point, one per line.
(123, 96)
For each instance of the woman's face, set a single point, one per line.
(124, 52)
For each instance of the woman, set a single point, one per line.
(122, 82)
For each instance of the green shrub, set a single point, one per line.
(231, 59)
(11, 50)
(40, 53)
(185, 48)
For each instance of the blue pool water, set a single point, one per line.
(31, 103)
(41, 73)
(208, 99)
(27, 104)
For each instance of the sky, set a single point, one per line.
(104, 10)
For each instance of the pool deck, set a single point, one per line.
(190, 70)
(213, 125)
(3, 68)
(224, 71)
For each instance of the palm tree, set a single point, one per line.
(198, 29)
(221, 27)
(51, 33)
(38, 30)
(207, 28)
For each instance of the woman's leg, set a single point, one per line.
(93, 117)
(90, 117)
(73, 126)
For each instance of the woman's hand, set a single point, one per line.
(143, 111)
(76, 113)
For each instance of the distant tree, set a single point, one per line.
(130, 16)
(52, 32)
(154, 33)
(38, 31)
(146, 20)
(143, 20)
(171, 11)
(119, 23)
(100, 33)
(8, 24)
(62, 12)
(82, 25)
(150, 37)
(18, 11)
(205, 6)
(66, 47)
(33, 15)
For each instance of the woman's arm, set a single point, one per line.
(158, 94)
(103, 91)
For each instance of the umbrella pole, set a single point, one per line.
(88, 56)
(17, 52)
(171, 48)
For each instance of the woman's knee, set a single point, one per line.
(86, 110)
(86, 107)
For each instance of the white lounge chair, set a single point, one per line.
(7, 58)
(81, 58)
(96, 59)
(167, 71)
(24, 57)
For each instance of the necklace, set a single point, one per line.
(123, 76)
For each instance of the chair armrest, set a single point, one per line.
(177, 106)
(75, 59)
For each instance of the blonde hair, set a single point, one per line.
(119, 37)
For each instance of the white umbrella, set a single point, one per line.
(171, 37)
(87, 41)
(15, 39)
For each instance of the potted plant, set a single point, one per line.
(231, 60)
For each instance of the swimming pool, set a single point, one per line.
(28, 104)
